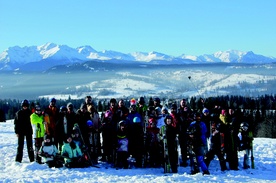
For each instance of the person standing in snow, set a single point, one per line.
(22, 129)
(185, 119)
(37, 120)
(216, 147)
(169, 132)
(52, 112)
(122, 146)
(197, 140)
(246, 141)
(64, 126)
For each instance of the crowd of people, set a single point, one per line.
(142, 135)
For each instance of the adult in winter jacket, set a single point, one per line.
(197, 143)
(64, 126)
(216, 147)
(185, 118)
(22, 129)
(48, 152)
(37, 120)
(169, 132)
(94, 134)
(246, 141)
(152, 144)
(108, 129)
(51, 112)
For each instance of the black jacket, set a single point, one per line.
(22, 122)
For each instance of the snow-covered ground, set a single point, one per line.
(264, 153)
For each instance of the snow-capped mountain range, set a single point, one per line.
(16, 57)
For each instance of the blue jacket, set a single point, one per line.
(200, 134)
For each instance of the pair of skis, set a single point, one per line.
(166, 163)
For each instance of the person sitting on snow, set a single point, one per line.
(48, 152)
(73, 157)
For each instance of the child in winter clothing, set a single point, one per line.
(122, 146)
(48, 152)
(72, 154)
(37, 120)
(197, 143)
(246, 140)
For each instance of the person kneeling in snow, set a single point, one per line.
(48, 152)
(72, 154)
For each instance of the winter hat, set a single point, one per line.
(174, 106)
(70, 105)
(141, 101)
(168, 117)
(67, 137)
(205, 110)
(136, 120)
(156, 100)
(113, 100)
(25, 103)
(89, 123)
(53, 100)
(133, 101)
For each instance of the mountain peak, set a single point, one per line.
(15, 56)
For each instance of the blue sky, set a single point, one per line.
(174, 27)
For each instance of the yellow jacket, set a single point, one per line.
(38, 125)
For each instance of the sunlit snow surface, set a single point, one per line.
(264, 153)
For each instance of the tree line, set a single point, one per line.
(259, 111)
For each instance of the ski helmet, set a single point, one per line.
(62, 109)
(37, 108)
(244, 126)
(25, 103)
(165, 109)
(136, 120)
(205, 110)
(158, 110)
(122, 123)
(89, 123)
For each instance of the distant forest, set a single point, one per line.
(259, 112)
